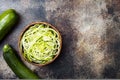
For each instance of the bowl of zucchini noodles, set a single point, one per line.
(40, 43)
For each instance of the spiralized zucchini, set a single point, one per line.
(40, 43)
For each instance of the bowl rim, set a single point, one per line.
(22, 33)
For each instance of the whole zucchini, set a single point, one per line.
(7, 20)
(17, 66)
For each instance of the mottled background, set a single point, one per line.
(91, 36)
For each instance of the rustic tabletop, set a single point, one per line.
(91, 36)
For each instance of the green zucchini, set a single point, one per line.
(8, 19)
(17, 66)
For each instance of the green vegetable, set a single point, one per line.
(16, 64)
(7, 20)
(40, 43)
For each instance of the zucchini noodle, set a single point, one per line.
(40, 43)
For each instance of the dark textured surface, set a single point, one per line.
(91, 36)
